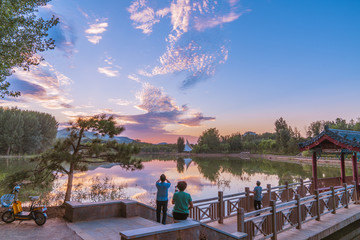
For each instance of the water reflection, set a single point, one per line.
(205, 176)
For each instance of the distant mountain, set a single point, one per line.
(63, 133)
(162, 143)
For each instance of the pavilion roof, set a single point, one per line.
(342, 139)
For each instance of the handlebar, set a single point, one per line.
(17, 188)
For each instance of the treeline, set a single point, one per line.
(284, 140)
(156, 148)
(25, 132)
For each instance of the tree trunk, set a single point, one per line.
(8, 151)
(69, 183)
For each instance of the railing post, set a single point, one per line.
(269, 192)
(247, 194)
(240, 219)
(333, 199)
(273, 217)
(346, 196)
(221, 206)
(318, 212)
(355, 193)
(287, 195)
(302, 187)
(298, 207)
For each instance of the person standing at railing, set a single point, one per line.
(257, 195)
(183, 202)
(162, 186)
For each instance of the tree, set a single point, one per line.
(73, 153)
(283, 133)
(180, 144)
(22, 35)
(26, 132)
(210, 140)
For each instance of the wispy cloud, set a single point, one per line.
(111, 69)
(108, 71)
(119, 101)
(194, 56)
(134, 78)
(43, 84)
(143, 16)
(95, 29)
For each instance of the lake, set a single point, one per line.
(205, 177)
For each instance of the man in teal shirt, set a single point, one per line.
(162, 186)
(182, 201)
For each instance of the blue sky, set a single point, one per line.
(177, 67)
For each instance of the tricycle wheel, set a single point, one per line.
(8, 217)
(40, 218)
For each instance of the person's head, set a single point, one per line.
(182, 185)
(162, 178)
(258, 183)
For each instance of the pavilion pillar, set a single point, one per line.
(314, 171)
(355, 172)
(342, 164)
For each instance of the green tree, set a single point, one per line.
(180, 144)
(22, 35)
(283, 134)
(73, 154)
(210, 138)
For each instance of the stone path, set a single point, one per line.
(53, 229)
(109, 229)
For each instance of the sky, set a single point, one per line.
(170, 68)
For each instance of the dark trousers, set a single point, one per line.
(257, 205)
(180, 216)
(161, 205)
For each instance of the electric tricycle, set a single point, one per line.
(15, 212)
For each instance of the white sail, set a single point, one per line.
(187, 147)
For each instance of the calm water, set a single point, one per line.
(205, 177)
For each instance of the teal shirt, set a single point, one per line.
(182, 201)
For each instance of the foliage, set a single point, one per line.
(25, 132)
(180, 144)
(22, 35)
(209, 140)
(156, 148)
(73, 154)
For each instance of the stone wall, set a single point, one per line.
(185, 230)
(75, 211)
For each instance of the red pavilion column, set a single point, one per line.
(314, 171)
(342, 164)
(355, 171)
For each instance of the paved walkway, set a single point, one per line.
(313, 229)
(109, 229)
(53, 229)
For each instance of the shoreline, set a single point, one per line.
(334, 162)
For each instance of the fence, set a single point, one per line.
(221, 207)
(269, 221)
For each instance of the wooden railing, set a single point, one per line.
(221, 207)
(279, 217)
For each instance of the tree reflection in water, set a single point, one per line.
(211, 169)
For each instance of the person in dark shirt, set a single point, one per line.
(257, 195)
(182, 201)
(162, 186)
